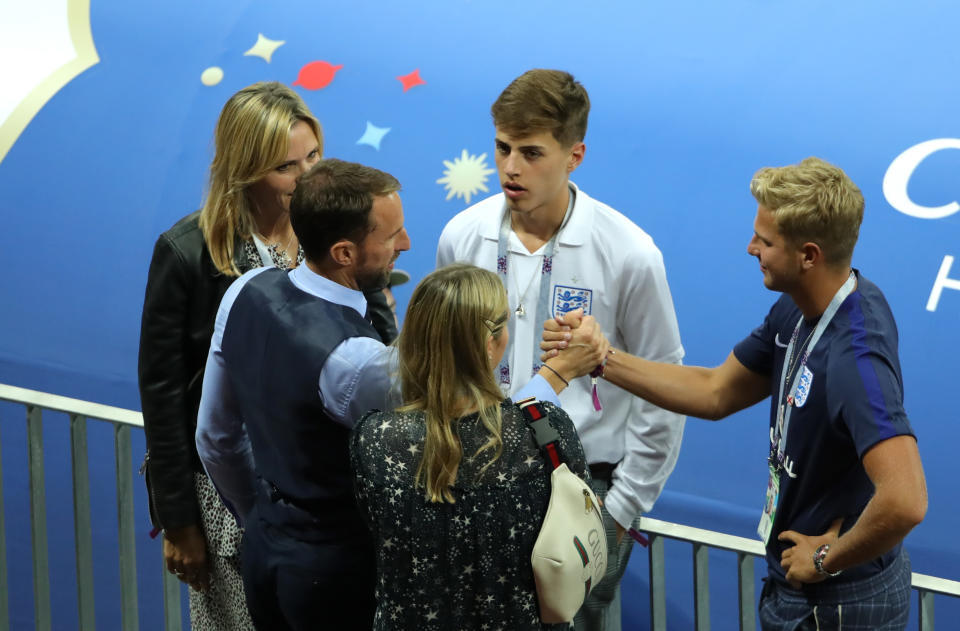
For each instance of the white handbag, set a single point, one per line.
(570, 555)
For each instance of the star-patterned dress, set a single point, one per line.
(464, 565)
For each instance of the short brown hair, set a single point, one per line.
(543, 100)
(813, 201)
(333, 200)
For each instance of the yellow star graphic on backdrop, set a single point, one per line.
(264, 47)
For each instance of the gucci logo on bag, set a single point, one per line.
(597, 542)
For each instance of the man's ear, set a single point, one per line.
(344, 252)
(812, 255)
(576, 156)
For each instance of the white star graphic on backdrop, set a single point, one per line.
(465, 176)
(264, 48)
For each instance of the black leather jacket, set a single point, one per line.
(184, 290)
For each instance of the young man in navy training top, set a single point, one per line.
(845, 481)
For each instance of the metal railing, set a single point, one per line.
(78, 412)
(746, 550)
(123, 420)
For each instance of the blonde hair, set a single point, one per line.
(813, 201)
(252, 137)
(445, 369)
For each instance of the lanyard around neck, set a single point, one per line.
(543, 301)
(779, 433)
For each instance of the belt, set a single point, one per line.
(602, 470)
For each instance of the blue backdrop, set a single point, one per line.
(689, 99)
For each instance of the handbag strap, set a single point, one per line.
(544, 434)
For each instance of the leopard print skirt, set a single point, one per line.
(223, 607)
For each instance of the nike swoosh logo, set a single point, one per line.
(776, 340)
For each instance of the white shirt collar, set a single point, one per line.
(309, 281)
(573, 232)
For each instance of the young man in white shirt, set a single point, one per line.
(556, 250)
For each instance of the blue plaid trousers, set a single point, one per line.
(878, 603)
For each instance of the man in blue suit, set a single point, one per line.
(293, 362)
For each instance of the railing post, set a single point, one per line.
(83, 534)
(127, 540)
(658, 585)
(748, 603)
(701, 586)
(171, 597)
(4, 586)
(747, 550)
(38, 519)
(925, 599)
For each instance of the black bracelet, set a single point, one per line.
(565, 382)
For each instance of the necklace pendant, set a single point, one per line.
(520, 311)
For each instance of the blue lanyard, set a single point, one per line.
(543, 301)
(778, 433)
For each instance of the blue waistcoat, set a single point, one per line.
(276, 340)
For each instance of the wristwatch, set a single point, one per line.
(818, 556)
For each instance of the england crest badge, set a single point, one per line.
(569, 298)
(803, 388)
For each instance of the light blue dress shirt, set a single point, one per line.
(358, 376)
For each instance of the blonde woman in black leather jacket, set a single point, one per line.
(265, 138)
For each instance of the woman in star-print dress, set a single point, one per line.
(453, 485)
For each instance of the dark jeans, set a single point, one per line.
(293, 585)
(880, 602)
